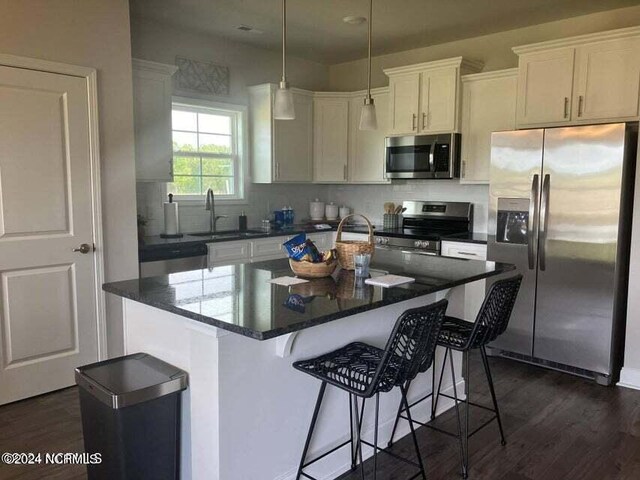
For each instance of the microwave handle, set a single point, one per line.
(432, 167)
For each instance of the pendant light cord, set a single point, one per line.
(369, 52)
(284, 40)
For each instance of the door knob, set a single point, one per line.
(84, 248)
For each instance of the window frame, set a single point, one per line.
(240, 137)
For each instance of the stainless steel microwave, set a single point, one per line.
(423, 156)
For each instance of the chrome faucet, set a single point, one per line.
(210, 205)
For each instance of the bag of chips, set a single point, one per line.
(296, 246)
(302, 249)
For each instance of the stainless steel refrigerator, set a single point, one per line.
(560, 210)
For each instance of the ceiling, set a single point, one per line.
(316, 30)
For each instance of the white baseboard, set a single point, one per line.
(630, 378)
(332, 469)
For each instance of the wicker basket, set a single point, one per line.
(348, 248)
(305, 269)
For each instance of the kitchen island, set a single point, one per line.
(246, 412)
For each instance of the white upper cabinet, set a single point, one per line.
(579, 80)
(281, 150)
(607, 80)
(405, 96)
(438, 100)
(425, 98)
(366, 147)
(330, 138)
(152, 90)
(545, 86)
(488, 105)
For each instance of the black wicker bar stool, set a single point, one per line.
(463, 336)
(365, 371)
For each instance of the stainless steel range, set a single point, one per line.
(424, 224)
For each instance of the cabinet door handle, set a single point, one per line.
(566, 107)
(464, 168)
(424, 120)
(413, 122)
(468, 254)
(277, 170)
(580, 101)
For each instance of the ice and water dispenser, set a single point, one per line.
(513, 220)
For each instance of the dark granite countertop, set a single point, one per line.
(239, 298)
(473, 237)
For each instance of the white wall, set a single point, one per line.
(92, 33)
(630, 375)
(494, 50)
(248, 66)
(369, 199)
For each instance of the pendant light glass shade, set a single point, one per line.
(368, 119)
(283, 108)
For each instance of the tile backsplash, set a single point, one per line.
(369, 199)
(262, 199)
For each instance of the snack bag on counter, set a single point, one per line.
(300, 248)
(295, 247)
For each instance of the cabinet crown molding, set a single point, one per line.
(357, 93)
(469, 66)
(578, 40)
(506, 73)
(163, 68)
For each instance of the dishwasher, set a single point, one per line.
(172, 259)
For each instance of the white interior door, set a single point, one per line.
(48, 319)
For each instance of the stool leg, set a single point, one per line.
(358, 432)
(405, 401)
(314, 418)
(375, 439)
(455, 399)
(467, 386)
(353, 449)
(395, 425)
(487, 370)
(434, 405)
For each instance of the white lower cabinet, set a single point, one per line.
(474, 292)
(268, 249)
(324, 241)
(228, 253)
(261, 249)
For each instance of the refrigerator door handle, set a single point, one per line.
(533, 221)
(544, 220)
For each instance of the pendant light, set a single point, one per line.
(283, 108)
(368, 120)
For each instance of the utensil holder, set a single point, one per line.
(391, 220)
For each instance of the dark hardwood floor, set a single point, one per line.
(558, 427)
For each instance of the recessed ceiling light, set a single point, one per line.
(354, 20)
(248, 28)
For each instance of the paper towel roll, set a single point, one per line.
(170, 218)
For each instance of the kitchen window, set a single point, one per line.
(208, 148)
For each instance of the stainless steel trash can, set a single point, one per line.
(131, 416)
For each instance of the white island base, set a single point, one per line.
(247, 411)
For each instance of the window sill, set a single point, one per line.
(218, 201)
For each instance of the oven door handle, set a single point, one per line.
(421, 252)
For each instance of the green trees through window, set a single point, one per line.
(205, 146)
